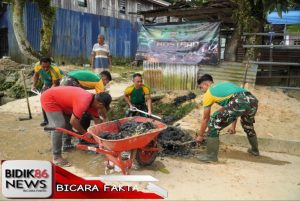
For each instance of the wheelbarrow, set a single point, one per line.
(142, 147)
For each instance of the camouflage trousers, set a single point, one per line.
(242, 104)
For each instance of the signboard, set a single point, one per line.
(185, 43)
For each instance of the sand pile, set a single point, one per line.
(278, 115)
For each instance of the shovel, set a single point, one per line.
(35, 92)
(134, 109)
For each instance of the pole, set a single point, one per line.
(26, 95)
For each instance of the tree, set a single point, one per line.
(47, 14)
(250, 16)
(18, 26)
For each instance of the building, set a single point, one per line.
(76, 27)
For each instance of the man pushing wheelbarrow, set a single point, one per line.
(64, 107)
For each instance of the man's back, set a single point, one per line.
(68, 100)
(88, 80)
(84, 75)
(220, 93)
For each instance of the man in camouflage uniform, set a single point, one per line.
(236, 102)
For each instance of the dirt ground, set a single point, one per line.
(237, 176)
(278, 114)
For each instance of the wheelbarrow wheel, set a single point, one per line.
(145, 158)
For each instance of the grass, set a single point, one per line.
(119, 107)
(170, 109)
(125, 72)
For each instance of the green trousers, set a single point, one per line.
(243, 105)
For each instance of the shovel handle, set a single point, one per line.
(137, 110)
(36, 92)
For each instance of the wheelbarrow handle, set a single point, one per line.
(70, 132)
(65, 131)
(137, 110)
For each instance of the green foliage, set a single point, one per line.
(119, 107)
(250, 16)
(167, 109)
(278, 5)
(48, 17)
(45, 7)
(8, 79)
(17, 91)
(6, 85)
(120, 61)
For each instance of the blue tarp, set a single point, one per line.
(290, 17)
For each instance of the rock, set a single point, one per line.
(128, 129)
(173, 141)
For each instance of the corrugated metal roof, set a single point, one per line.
(230, 71)
(160, 2)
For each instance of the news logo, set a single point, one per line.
(26, 179)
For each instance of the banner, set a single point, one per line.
(188, 43)
(42, 179)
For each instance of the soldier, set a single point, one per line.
(236, 102)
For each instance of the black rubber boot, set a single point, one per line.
(212, 150)
(45, 122)
(254, 145)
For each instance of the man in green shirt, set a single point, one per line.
(87, 80)
(50, 74)
(236, 102)
(138, 95)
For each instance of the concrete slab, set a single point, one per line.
(265, 144)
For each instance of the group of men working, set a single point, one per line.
(71, 106)
(66, 103)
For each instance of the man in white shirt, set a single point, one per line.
(100, 58)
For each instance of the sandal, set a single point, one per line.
(61, 162)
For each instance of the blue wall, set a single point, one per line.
(74, 34)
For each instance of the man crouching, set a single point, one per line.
(236, 102)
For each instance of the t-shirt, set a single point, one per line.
(53, 74)
(101, 53)
(137, 96)
(220, 93)
(69, 100)
(88, 79)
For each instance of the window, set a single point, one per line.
(222, 46)
(138, 7)
(122, 6)
(296, 42)
(82, 3)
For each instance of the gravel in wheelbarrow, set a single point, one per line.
(128, 129)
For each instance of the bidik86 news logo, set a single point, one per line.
(26, 179)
